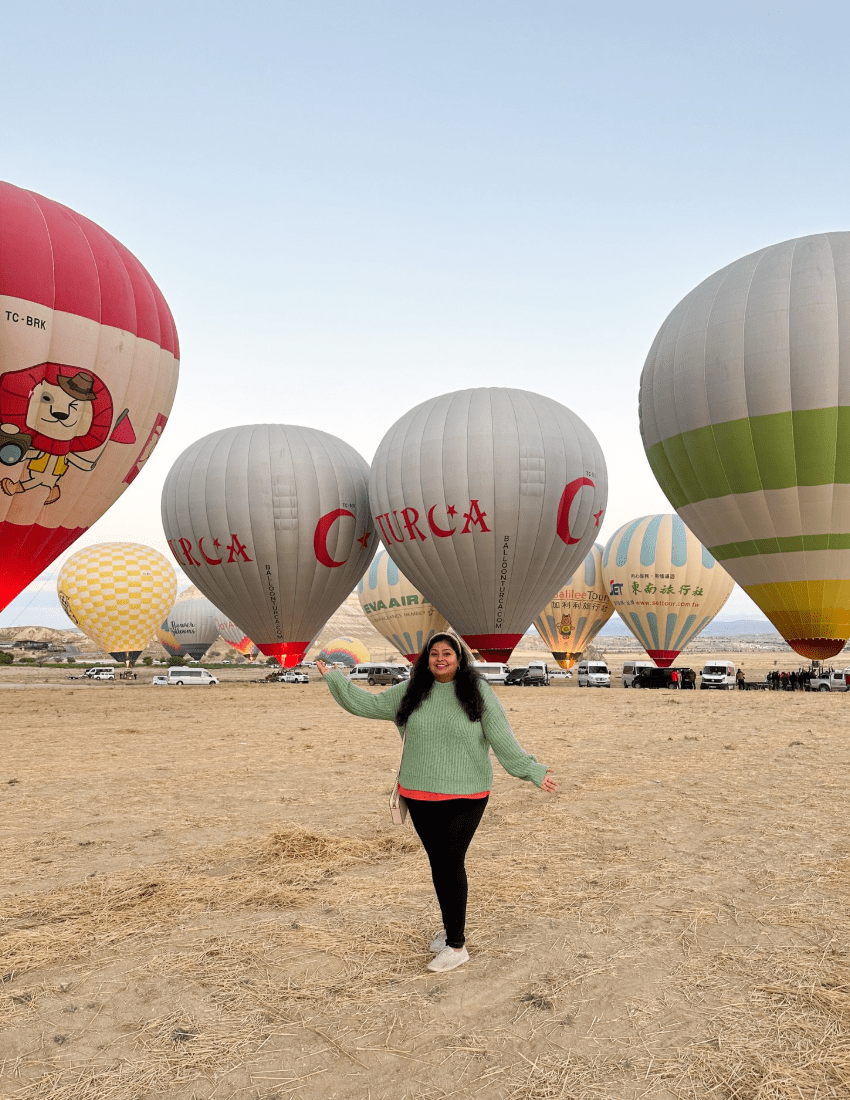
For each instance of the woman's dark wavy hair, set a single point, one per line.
(466, 682)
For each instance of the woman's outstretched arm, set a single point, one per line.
(357, 701)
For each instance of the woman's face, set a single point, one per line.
(442, 661)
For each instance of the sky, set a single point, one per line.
(353, 207)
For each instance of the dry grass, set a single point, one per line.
(673, 925)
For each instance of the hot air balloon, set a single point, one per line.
(394, 607)
(570, 621)
(344, 651)
(88, 370)
(168, 642)
(117, 593)
(272, 523)
(744, 405)
(234, 636)
(665, 586)
(487, 499)
(193, 623)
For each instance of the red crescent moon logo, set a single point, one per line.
(440, 532)
(320, 537)
(567, 498)
(209, 561)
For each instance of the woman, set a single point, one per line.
(451, 718)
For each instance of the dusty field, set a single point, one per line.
(202, 897)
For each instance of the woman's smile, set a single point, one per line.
(442, 661)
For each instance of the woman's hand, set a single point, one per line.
(322, 667)
(549, 785)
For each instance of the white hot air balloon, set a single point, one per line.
(664, 584)
(193, 624)
(396, 609)
(578, 611)
(272, 523)
(487, 500)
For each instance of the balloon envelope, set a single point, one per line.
(234, 635)
(117, 593)
(272, 523)
(345, 651)
(396, 609)
(168, 642)
(486, 500)
(745, 417)
(570, 621)
(664, 584)
(88, 370)
(193, 625)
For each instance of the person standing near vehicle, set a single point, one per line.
(450, 718)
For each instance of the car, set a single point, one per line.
(159, 681)
(652, 677)
(103, 674)
(536, 675)
(516, 677)
(292, 677)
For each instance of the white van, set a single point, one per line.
(632, 668)
(101, 672)
(492, 673)
(593, 674)
(718, 674)
(181, 675)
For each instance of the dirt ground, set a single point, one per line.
(202, 897)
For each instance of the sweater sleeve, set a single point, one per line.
(363, 703)
(510, 754)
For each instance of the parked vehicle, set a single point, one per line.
(291, 676)
(652, 677)
(631, 669)
(829, 679)
(719, 675)
(159, 681)
(380, 674)
(492, 673)
(593, 674)
(100, 672)
(516, 677)
(180, 675)
(537, 674)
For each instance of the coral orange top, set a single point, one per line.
(432, 796)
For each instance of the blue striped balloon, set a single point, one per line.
(396, 610)
(664, 584)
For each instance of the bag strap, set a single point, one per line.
(401, 758)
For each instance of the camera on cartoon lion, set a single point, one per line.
(48, 415)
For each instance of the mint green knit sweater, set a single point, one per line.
(444, 752)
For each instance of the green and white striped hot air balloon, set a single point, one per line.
(745, 417)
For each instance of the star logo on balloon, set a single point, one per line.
(598, 515)
(451, 510)
(364, 539)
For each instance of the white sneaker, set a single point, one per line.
(438, 943)
(448, 959)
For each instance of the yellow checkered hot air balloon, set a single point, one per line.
(117, 593)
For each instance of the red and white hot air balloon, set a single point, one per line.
(88, 370)
(271, 522)
(487, 500)
(235, 636)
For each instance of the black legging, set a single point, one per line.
(446, 830)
